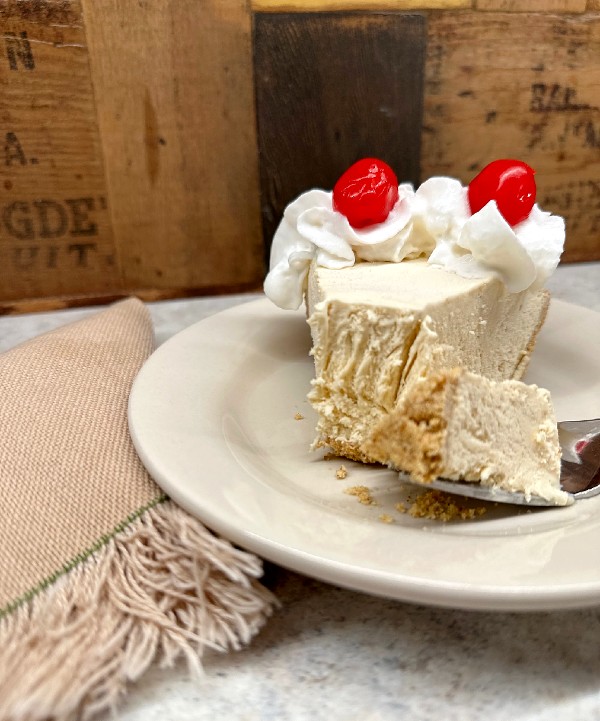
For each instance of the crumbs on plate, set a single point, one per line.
(341, 473)
(439, 506)
(362, 493)
(299, 417)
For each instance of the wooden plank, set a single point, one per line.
(332, 88)
(488, 97)
(548, 6)
(81, 300)
(55, 232)
(174, 93)
(364, 5)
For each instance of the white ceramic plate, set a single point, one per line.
(212, 415)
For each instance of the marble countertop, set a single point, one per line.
(330, 653)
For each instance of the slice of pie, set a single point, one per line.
(401, 285)
(462, 426)
(379, 327)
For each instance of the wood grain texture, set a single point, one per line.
(330, 89)
(548, 6)
(364, 5)
(55, 232)
(487, 97)
(174, 93)
(82, 300)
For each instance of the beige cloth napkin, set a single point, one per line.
(99, 572)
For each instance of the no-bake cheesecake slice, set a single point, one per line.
(379, 327)
(401, 286)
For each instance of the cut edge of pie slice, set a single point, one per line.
(379, 328)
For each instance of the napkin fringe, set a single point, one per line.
(163, 588)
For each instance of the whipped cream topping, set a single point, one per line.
(312, 230)
(433, 221)
(484, 244)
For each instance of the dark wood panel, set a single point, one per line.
(332, 88)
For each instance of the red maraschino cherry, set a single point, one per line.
(510, 183)
(366, 192)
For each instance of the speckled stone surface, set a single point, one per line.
(330, 653)
(335, 654)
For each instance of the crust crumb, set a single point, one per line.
(362, 493)
(439, 506)
(299, 417)
(386, 518)
(342, 450)
(341, 473)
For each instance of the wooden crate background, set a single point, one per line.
(150, 147)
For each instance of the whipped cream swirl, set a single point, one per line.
(484, 244)
(435, 221)
(312, 230)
